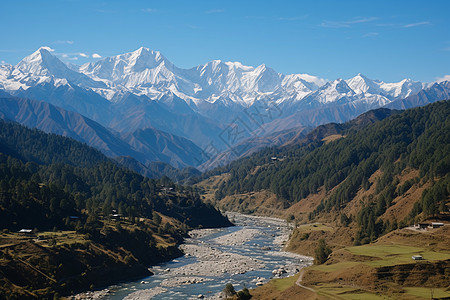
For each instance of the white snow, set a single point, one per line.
(146, 72)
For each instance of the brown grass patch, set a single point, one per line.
(308, 204)
(403, 204)
(263, 203)
(332, 138)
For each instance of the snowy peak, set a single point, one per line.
(340, 86)
(401, 89)
(219, 78)
(334, 91)
(267, 80)
(144, 58)
(148, 73)
(238, 65)
(361, 89)
(145, 89)
(215, 69)
(42, 63)
(361, 84)
(129, 69)
(303, 81)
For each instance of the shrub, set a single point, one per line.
(322, 252)
(229, 290)
(244, 294)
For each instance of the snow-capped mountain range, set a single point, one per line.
(143, 89)
(148, 73)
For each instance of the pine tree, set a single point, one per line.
(321, 252)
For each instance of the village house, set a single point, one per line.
(437, 224)
(26, 232)
(422, 225)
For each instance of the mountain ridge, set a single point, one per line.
(141, 89)
(161, 146)
(147, 72)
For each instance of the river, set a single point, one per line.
(245, 255)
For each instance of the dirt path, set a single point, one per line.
(299, 280)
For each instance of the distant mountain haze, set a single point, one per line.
(144, 145)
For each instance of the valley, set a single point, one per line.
(347, 191)
(245, 255)
(114, 176)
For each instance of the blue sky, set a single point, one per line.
(386, 40)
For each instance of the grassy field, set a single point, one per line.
(45, 239)
(375, 256)
(390, 255)
(333, 291)
(381, 270)
(62, 238)
(426, 292)
(336, 266)
(281, 284)
(314, 227)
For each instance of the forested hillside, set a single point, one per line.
(35, 163)
(313, 139)
(52, 183)
(158, 169)
(375, 165)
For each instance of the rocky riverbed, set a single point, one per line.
(213, 262)
(238, 238)
(248, 254)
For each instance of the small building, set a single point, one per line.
(115, 217)
(423, 225)
(274, 158)
(417, 257)
(437, 224)
(26, 231)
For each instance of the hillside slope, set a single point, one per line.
(352, 191)
(106, 222)
(365, 175)
(148, 145)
